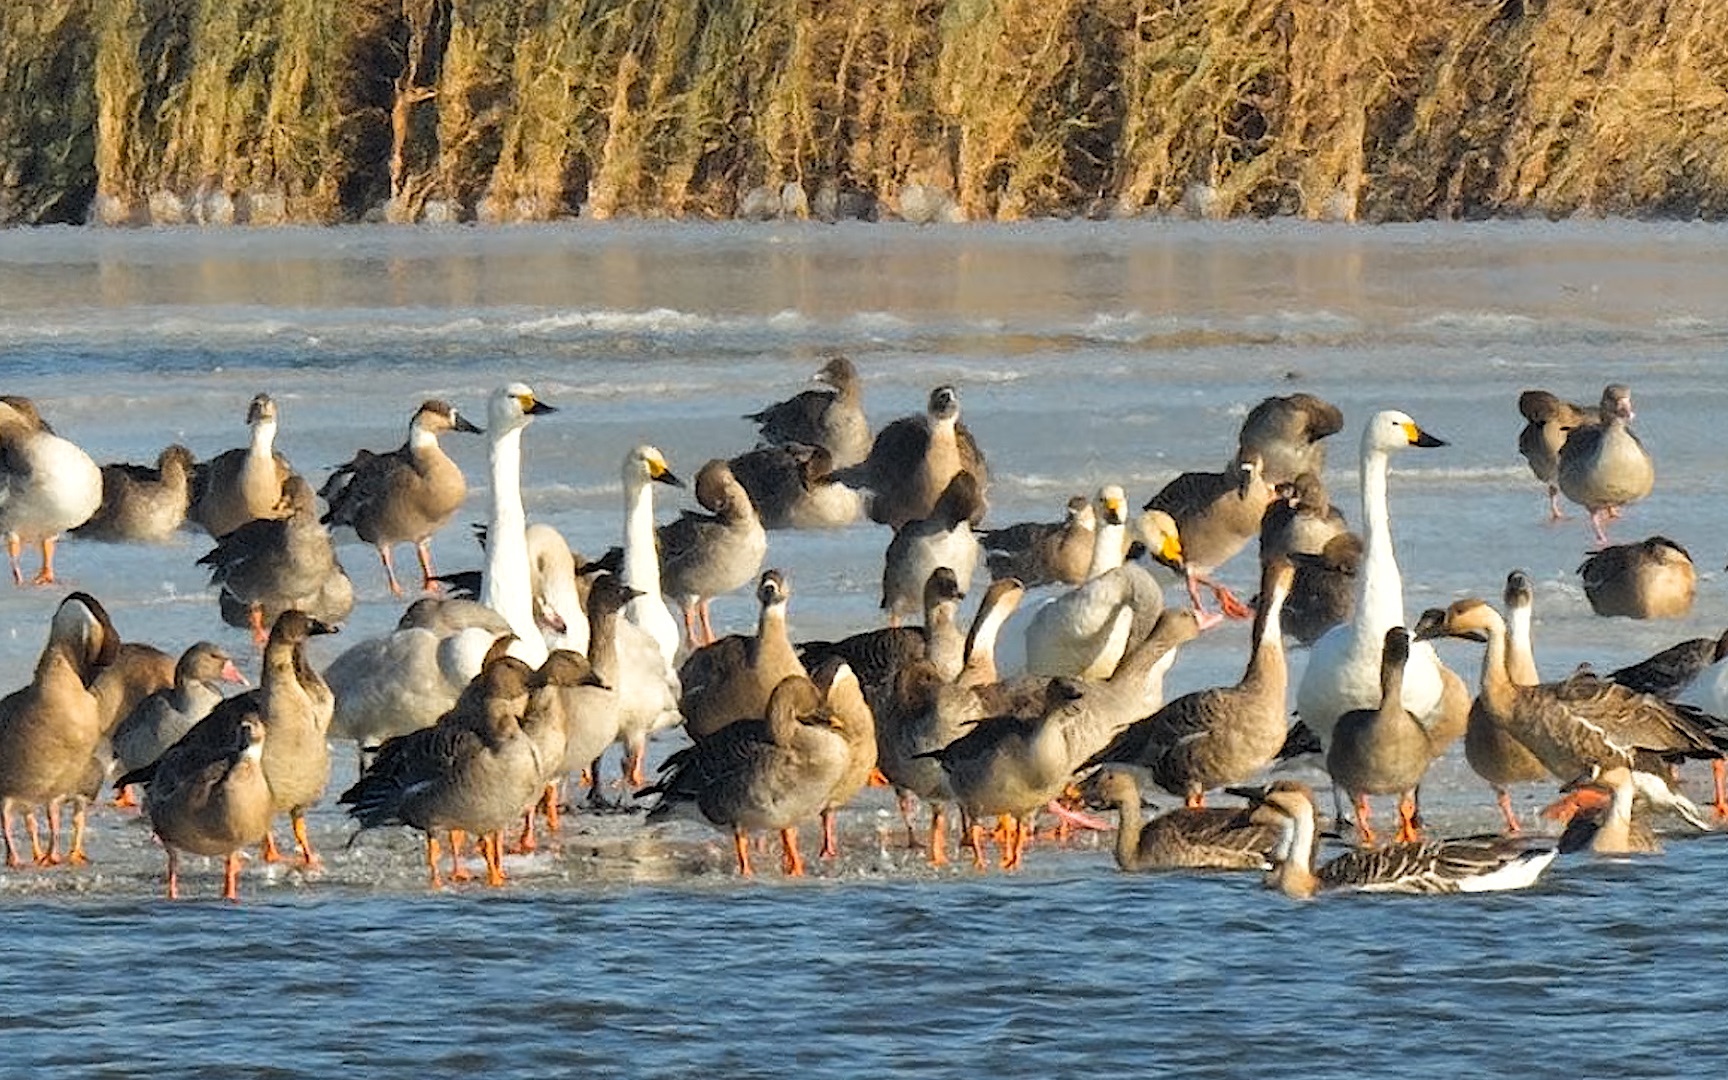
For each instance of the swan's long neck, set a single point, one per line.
(641, 559)
(1382, 600)
(1107, 548)
(506, 586)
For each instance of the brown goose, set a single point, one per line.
(594, 710)
(1579, 723)
(49, 729)
(791, 488)
(732, 678)
(857, 724)
(1040, 553)
(832, 419)
(1225, 734)
(141, 504)
(929, 709)
(547, 722)
(1600, 818)
(1301, 519)
(751, 776)
(1604, 466)
(1382, 751)
(1183, 839)
(1287, 433)
(47, 485)
(1652, 579)
(1489, 747)
(707, 555)
(912, 460)
(137, 671)
(1547, 422)
(1669, 673)
(209, 796)
(474, 771)
(296, 707)
(237, 486)
(1474, 864)
(1010, 766)
(1323, 593)
(277, 564)
(945, 538)
(403, 496)
(1216, 514)
(877, 656)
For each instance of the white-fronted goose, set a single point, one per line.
(1382, 751)
(1187, 838)
(1287, 431)
(1085, 631)
(506, 583)
(276, 563)
(792, 487)
(752, 776)
(406, 679)
(1603, 466)
(1216, 514)
(1343, 671)
(1475, 864)
(912, 460)
(49, 729)
(707, 555)
(237, 486)
(1225, 734)
(161, 719)
(645, 466)
(1040, 553)
(47, 485)
(944, 538)
(1011, 766)
(1547, 422)
(403, 496)
(732, 678)
(140, 503)
(1579, 723)
(209, 796)
(832, 419)
(1652, 579)
(475, 771)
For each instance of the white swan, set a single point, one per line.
(1085, 631)
(47, 485)
(505, 584)
(406, 679)
(1344, 667)
(557, 599)
(644, 466)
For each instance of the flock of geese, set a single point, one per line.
(496, 688)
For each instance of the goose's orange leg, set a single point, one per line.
(424, 550)
(458, 872)
(308, 858)
(231, 877)
(938, 835)
(389, 569)
(173, 873)
(741, 847)
(493, 848)
(80, 819)
(1408, 831)
(1719, 771)
(1503, 798)
(1362, 828)
(790, 860)
(45, 576)
(432, 861)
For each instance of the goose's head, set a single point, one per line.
(436, 417)
(512, 406)
(1004, 595)
(944, 403)
(1079, 514)
(175, 458)
(1520, 590)
(718, 490)
(608, 593)
(1157, 530)
(262, 412)
(82, 624)
(1392, 430)
(1308, 490)
(1110, 787)
(295, 627)
(942, 587)
(249, 735)
(1617, 403)
(207, 663)
(838, 372)
(1469, 619)
(20, 413)
(772, 590)
(647, 464)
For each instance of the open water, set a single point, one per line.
(1084, 354)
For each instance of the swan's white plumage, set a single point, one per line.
(506, 584)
